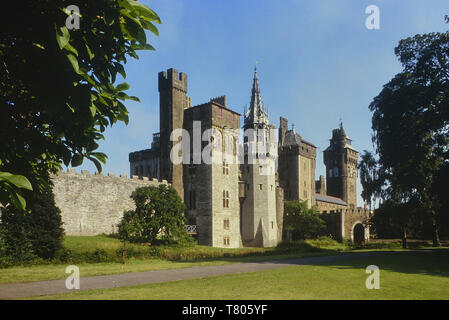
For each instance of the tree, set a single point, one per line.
(396, 219)
(411, 122)
(370, 178)
(38, 234)
(158, 217)
(301, 222)
(58, 90)
(440, 188)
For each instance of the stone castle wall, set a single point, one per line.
(341, 222)
(93, 204)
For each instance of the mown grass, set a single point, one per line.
(101, 255)
(403, 275)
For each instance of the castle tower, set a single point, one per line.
(212, 188)
(259, 222)
(341, 160)
(172, 102)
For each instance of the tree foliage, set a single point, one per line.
(411, 123)
(36, 234)
(9, 183)
(158, 217)
(371, 177)
(301, 222)
(58, 89)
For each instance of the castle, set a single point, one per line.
(237, 198)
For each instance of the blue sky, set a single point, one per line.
(317, 63)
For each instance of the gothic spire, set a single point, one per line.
(256, 113)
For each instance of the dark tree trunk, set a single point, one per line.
(436, 234)
(404, 239)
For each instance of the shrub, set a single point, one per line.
(158, 218)
(300, 222)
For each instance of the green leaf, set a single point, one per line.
(17, 180)
(71, 49)
(96, 163)
(93, 110)
(39, 46)
(122, 86)
(62, 37)
(120, 69)
(74, 63)
(134, 98)
(77, 160)
(145, 46)
(149, 26)
(100, 156)
(89, 52)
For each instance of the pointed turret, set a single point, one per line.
(256, 113)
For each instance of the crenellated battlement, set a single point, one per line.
(220, 100)
(85, 173)
(358, 211)
(172, 79)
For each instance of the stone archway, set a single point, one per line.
(358, 233)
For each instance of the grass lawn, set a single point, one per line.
(164, 258)
(403, 275)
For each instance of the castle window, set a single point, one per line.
(226, 241)
(225, 199)
(226, 224)
(225, 168)
(272, 225)
(271, 187)
(335, 172)
(260, 186)
(234, 145)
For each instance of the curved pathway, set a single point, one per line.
(38, 288)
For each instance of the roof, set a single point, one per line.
(334, 200)
(309, 143)
(215, 104)
(294, 139)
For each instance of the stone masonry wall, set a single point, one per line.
(94, 204)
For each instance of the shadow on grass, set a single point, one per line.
(433, 262)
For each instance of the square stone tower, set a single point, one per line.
(172, 103)
(297, 159)
(341, 161)
(211, 186)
